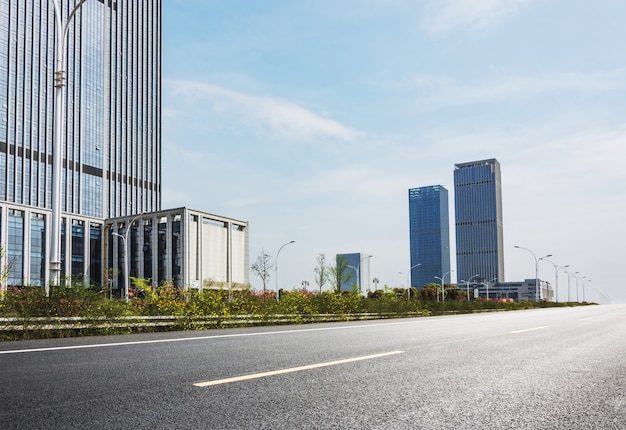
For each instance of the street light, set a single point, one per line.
(537, 293)
(357, 269)
(556, 278)
(408, 281)
(588, 280)
(467, 284)
(443, 288)
(126, 265)
(57, 146)
(488, 282)
(568, 285)
(277, 254)
(576, 277)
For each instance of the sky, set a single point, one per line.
(311, 119)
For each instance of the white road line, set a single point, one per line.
(530, 329)
(587, 319)
(219, 336)
(292, 369)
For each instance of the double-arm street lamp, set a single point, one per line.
(61, 30)
(443, 288)
(537, 293)
(467, 284)
(556, 278)
(277, 254)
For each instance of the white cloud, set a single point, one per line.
(279, 118)
(451, 14)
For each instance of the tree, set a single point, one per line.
(454, 292)
(322, 272)
(262, 267)
(430, 292)
(339, 273)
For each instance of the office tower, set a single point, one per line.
(111, 158)
(358, 269)
(479, 231)
(429, 235)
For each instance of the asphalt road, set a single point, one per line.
(535, 369)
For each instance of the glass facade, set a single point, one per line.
(111, 164)
(429, 235)
(15, 247)
(359, 271)
(37, 250)
(479, 228)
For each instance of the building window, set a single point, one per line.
(15, 247)
(37, 249)
(95, 259)
(176, 253)
(78, 249)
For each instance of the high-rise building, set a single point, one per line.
(112, 224)
(429, 234)
(111, 158)
(478, 213)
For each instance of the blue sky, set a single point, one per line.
(312, 118)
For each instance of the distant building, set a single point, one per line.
(478, 218)
(513, 290)
(359, 270)
(429, 234)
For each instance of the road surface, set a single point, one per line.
(536, 369)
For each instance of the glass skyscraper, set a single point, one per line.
(111, 139)
(479, 229)
(429, 234)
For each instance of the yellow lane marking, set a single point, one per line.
(293, 369)
(530, 329)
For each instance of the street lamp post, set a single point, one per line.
(588, 280)
(375, 281)
(443, 288)
(556, 296)
(126, 262)
(537, 293)
(575, 275)
(357, 269)
(489, 282)
(408, 280)
(277, 254)
(467, 284)
(556, 278)
(57, 146)
(569, 299)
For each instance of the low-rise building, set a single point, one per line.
(190, 248)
